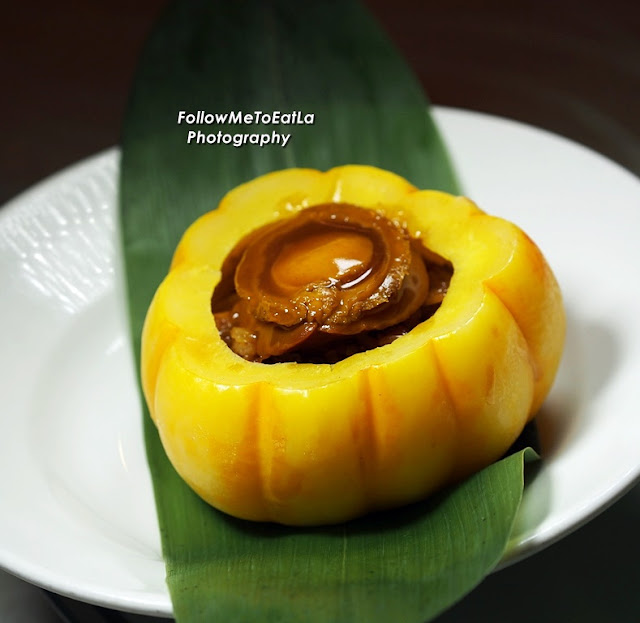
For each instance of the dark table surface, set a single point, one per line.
(570, 67)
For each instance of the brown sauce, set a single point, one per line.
(329, 282)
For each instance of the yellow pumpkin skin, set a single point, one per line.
(310, 444)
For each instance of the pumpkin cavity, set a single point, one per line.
(329, 282)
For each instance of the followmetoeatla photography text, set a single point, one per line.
(250, 120)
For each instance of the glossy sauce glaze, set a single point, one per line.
(331, 281)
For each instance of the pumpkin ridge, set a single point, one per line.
(368, 450)
(258, 430)
(535, 368)
(446, 390)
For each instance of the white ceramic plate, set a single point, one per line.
(78, 513)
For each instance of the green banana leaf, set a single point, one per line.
(329, 60)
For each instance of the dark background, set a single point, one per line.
(570, 67)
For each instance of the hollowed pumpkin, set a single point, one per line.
(315, 443)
